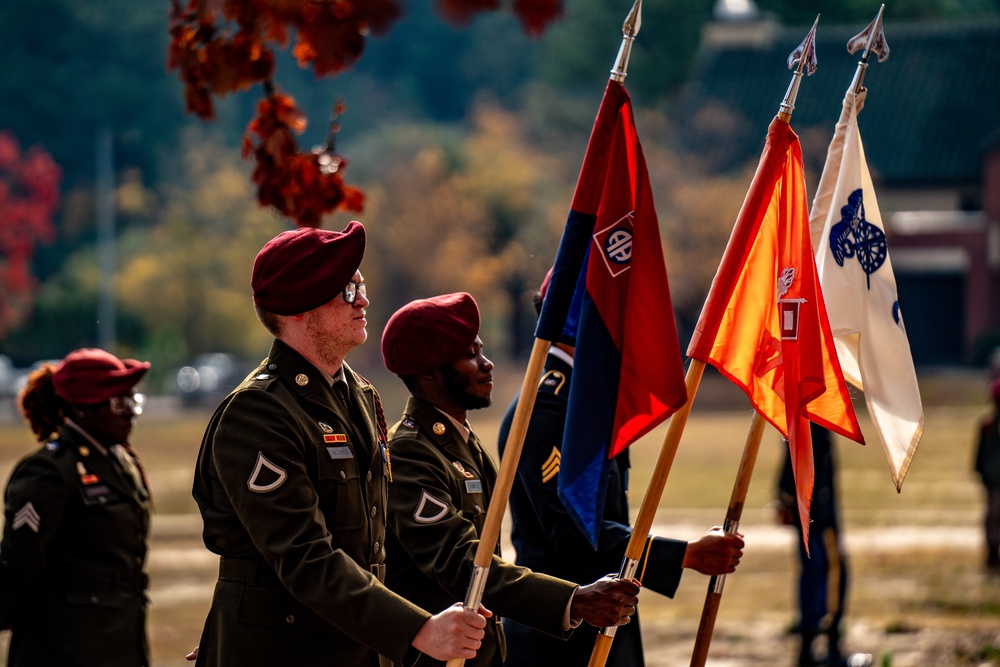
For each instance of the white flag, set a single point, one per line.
(859, 288)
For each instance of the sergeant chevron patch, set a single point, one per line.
(27, 516)
(266, 476)
(551, 466)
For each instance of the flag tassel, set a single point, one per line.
(733, 515)
(651, 499)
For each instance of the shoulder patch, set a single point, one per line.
(408, 423)
(266, 476)
(551, 466)
(553, 382)
(429, 509)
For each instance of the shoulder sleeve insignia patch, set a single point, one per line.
(552, 381)
(27, 516)
(429, 509)
(551, 466)
(266, 476)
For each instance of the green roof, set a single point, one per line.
(932, 108)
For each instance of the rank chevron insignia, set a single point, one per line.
(551, 466)
(27, 516)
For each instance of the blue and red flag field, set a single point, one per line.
(609, 297)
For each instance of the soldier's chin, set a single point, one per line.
(477, 402)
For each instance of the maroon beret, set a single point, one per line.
(427, 334)
(91, 375)
(304, 268)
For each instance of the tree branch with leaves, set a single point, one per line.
(219, 47)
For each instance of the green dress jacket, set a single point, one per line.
(72, 579)
(437, 506)
(291, 484)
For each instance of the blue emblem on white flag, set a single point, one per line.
(854, 236)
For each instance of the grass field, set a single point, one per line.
(919, 595)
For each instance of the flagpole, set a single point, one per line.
(733, 515)
(650, 501)
(490, 533)
(713, 598)
(526, 402)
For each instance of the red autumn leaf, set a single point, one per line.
(537, 15)
(461, 12)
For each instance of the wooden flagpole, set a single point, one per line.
(505, 479)
(736, 502)
(713, 598)
(650, 501)
(526, 402)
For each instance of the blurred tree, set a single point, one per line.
(186, 276)
(71, 68)
(29, 197)
(452, 213)
(580, 50)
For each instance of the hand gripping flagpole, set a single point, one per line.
(526, 402)
(802, 58)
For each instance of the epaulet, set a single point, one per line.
(552, 382)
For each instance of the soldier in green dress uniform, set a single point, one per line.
(443, 479)
(72, 561)
(291, 483)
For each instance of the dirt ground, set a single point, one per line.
(918, 597)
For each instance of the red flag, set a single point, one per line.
(764, 323)
(609, 296)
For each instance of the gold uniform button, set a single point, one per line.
(289, 619)
(378, 547)
(343, 475)
(374, 511)
(369, 475)
(302, 379)
(438, 428)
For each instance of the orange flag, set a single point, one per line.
(764, 324)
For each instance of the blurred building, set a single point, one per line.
(931, 130)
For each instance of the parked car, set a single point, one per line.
(209, 377)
